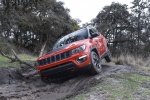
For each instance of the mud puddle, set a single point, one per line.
(14, 86)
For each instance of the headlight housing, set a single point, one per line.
(78, 49)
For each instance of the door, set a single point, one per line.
(97, 41)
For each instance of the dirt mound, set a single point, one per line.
(9, 75)
(13, 75)
(15, 85)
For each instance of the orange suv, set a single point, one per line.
(82, 49)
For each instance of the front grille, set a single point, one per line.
(54, 58)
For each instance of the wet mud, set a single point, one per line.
(25, 84)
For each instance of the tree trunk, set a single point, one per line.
(43, 48)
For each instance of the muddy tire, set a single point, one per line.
(95, 62)
(108, 57)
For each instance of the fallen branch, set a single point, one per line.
(16, 59)
(30, 74)
(4, 55)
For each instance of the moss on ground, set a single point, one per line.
(5, 62)
(120, 87)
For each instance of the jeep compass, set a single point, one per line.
(82, 49)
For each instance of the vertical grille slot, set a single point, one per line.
(40, 62)
(58, 57)
(48, 60)
(53, 59)
(44, 62)
(62, 55)
(67, 54)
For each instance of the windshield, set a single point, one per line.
(72, 37)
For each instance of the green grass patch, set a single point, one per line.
(133, 78)
(5, 62)
(81, 97)
(120, 87)
(26, 57)
(3, 59)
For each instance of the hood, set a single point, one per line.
(63, 48)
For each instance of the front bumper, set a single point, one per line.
(75, 59)
(62, 70)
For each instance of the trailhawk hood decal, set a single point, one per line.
(67, 46)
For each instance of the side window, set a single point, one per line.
(91, 31)
(95, 31)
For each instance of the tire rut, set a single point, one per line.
(33, 88)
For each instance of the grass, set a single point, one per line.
(81, 97)
(134, 61)
(5, 62)
(125, 86)
(26, 57)
(119, 87)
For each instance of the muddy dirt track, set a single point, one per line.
(15, 86)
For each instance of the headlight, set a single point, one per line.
(78, 49)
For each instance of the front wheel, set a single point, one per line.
(108, 57)
(96, 65)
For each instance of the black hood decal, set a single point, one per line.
(57, 49)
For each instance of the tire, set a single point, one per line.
(95, 62)
(108, 57)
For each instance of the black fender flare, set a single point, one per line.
(95, 49)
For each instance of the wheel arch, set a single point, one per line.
(93, 70)
(95, 50)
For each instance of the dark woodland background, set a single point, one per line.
(32, 23)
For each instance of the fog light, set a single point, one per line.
(82, 59)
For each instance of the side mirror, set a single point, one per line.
(94, 35)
